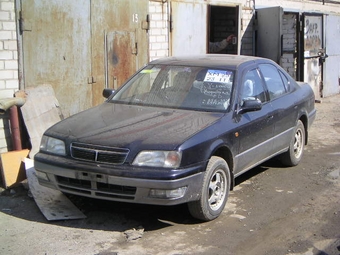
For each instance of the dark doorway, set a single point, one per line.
(222, 22)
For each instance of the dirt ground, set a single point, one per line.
(273, 210)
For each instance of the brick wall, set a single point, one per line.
(158, 33)
(247, 31)
(8, 65)
(288, 59)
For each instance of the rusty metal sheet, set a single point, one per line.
(53, 204)
(57, 49)
(121, 57)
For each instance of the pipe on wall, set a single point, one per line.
(12, 104)
(15, 128)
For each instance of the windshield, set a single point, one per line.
(180, 87)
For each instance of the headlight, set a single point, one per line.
(52, 145)
(169, 159)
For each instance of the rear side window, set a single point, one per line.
(273, 80)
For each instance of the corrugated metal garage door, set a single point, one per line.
(82, 46)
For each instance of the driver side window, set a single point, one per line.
(252, 87)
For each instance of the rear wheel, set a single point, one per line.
(294, 154)
(215, 191)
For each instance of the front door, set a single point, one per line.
(313, 45)
(269, 33)
(256, 128)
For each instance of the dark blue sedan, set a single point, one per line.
(179, 131)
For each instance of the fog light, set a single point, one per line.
(42, 176)
(168, 193)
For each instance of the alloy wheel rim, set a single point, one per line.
(217, 190)
(298, 143)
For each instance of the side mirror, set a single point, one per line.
(108, 92)
(250, 105)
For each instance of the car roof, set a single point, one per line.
(209, 60)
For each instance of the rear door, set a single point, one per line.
(284, 106)
(313, 45)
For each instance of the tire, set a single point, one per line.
(214, 192)
(293, 156)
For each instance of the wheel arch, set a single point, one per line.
(303, 118)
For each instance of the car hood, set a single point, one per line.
(130, 126)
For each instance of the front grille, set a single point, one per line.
(100, 154)
(95, 188)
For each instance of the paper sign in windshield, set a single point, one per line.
(218, 76)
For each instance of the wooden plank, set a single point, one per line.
(13, 170)
(53, 204)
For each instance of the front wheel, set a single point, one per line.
(215, 191)
(293, 156)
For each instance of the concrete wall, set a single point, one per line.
(8, 65)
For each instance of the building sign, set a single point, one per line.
(312, 35)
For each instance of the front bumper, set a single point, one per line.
(102, 184)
